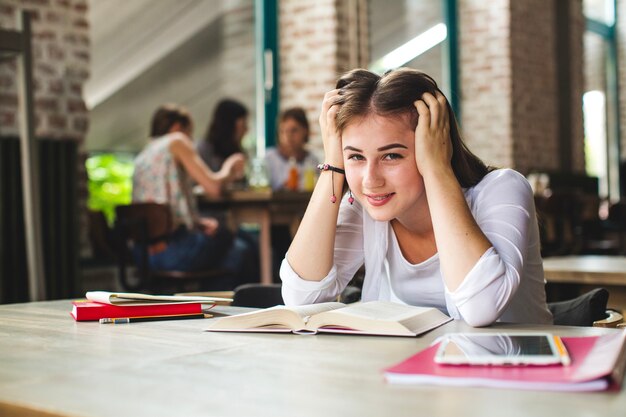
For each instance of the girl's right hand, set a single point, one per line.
(333, 154)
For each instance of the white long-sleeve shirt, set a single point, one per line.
(506, 284)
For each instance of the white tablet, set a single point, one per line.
(501, 349)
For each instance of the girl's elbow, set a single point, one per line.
(482, 318)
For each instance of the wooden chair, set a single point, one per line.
(137, 227)
(588, 309)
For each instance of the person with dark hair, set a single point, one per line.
(429, 221)
(224, 134)
(293, 135)
(163, 173)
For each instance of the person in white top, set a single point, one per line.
(431, 223)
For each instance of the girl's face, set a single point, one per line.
(292, 135)
(241, 128)
(379, 158)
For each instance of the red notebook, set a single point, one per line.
(86, 310)
(598, 363)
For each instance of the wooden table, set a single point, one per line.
(584, 272)
(53, 366)
(586, 269)
(265, 209)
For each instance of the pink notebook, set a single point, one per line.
(597, 363)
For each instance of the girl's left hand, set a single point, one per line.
(433, 147)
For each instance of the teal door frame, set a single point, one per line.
(267, 73)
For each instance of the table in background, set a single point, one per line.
(53, 366)
(265, 209)
(586, 269)
(592, 271)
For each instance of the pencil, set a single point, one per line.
(565, 359)
(123, 320)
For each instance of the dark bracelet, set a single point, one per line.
(326, 167)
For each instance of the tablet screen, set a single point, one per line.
(498, 349)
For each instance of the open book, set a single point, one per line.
(133, 299)
(373, 317)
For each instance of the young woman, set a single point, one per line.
(163, 173)
(432, 224)
(293, 135)
(224, 134)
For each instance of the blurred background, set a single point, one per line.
(538, 85)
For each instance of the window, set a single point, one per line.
(416, 34)
(600, 111)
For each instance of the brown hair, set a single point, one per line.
(297, 114)
(166, 116)
(363, 92)
(221, 131)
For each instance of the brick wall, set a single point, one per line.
(60, 67)
(314, 40)
(621, 61)
(509, 82)
(534, 98)
(577, 79)
(486, 79)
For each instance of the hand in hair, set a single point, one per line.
(333, 153)
(433, 146)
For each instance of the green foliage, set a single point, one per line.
(110, 183)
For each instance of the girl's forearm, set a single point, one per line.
(311, 252)
(460, 242)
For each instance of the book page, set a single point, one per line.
(308, 310)
(379, 317)
(278, 317)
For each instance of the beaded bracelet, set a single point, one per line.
(332, 169)
(326, 167)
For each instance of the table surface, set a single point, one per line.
(586, 269)
(51, 365)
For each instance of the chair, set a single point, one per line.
(100, 236)
(588, 309)
(141, 225)
(257, 295)
(263, 295)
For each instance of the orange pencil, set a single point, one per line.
(565, 359)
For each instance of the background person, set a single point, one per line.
(224, 134)
(293, 135)
(163, 174)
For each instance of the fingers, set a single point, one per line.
(433, 111)
(443, 105)
(329, 108)
(424, 114)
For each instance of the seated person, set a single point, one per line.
(163, 173)
(224, 135)
(432, 224)
(293, 135)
